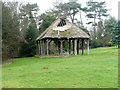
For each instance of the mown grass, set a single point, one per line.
(97, 70)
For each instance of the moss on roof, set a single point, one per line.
(68, 31)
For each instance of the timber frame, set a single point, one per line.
(66, 31)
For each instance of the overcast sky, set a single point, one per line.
(46, 4)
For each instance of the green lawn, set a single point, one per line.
(97, 70)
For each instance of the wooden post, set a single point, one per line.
(88, 46)
(69, 46)
(75, 47)
(82, 46)
(44, 47)
(61, 46)
(41, 47)
(38, 46)
(47, 47)
(78, 46)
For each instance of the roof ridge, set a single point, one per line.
(46, 30)
(51, 33)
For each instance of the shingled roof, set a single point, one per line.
(62, 28)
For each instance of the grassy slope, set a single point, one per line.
(99, 69)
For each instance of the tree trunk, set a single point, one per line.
(47, 47)
(61, 46)
(88, 46)
(39, 47)
(81, 18)
(78, 46)
(75, 47)
(69, 46)
(44, 46)
(82, 46)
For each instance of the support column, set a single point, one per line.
(47, 47)
(69, 46)
(88, 46)
(61, 46)
(75, 47)
(78, 47)
(38, 46)
(82, 46)
(44, 47)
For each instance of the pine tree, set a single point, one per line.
(29, 46)
(47, 20)
(28, 14)
(95, 11)
(116, 34)
(68, 10)
(10, 30)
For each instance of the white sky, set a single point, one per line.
(46, 4)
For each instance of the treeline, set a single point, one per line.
(21, 24)
(98, 20)
(19, 29)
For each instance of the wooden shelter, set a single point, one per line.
(61, 29)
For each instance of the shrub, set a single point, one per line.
(37, 56)
(94, 43)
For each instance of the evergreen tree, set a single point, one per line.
(69, 9)
(28, 48)
(29, 31)
(10, 30)
(116, 34)
(28, 14)
(104, 31)
(47, 20)
(82, 27)
(95, 11)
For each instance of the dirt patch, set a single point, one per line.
(39, 56)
